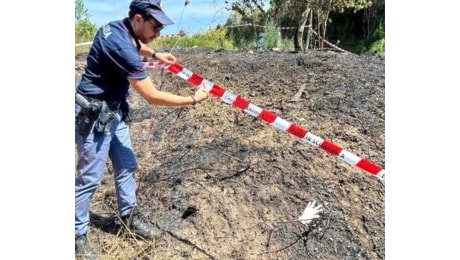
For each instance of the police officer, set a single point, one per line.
(114, 63)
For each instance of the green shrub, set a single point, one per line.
(243, 37)
(378, 47)
(216, 39)
(84, 31)
(271, 36)
(375, 43)
(287, 44)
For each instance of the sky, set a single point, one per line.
(197, 16)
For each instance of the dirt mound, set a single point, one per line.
(225, 185)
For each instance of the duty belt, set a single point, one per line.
(85, 102)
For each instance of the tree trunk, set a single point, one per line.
(310, 24)
(300, 28)
(318, 30)
(325, 24)
(278, 41)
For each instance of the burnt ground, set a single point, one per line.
(224, 185)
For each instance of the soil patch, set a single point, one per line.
(224, 185)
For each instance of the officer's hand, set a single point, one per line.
(165, 57)
(200, 95)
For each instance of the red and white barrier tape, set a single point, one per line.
(242, 25)
(270, 118)
(180, 34)
(287, 28)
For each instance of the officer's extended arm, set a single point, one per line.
(153, 96)
(146, 51)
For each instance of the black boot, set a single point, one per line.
(140, 226)
(83, 250)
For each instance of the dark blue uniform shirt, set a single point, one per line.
(112, 60)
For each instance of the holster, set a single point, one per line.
(97, 115)
(104, 121)
(89, 113)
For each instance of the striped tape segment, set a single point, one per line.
(180, 34)
(270, 118)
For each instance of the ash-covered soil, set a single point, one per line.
(225, 185)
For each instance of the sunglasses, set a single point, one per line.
(156, 26)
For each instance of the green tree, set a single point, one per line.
(310, 16)
(318, 14)
(84, 28)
